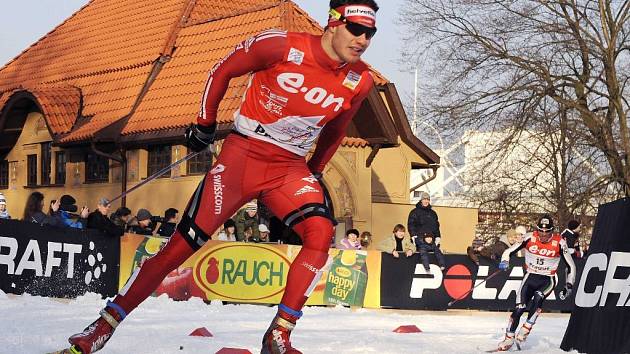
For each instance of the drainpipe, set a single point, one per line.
(122, 159)
(432, 167)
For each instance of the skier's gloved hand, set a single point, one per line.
(198, 137)
(566, 292)
(504, 265)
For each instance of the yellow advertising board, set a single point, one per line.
(257, 273)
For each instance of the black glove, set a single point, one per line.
(199, 137)
(566, 292)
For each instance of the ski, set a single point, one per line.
(70, 350)
(498, 350)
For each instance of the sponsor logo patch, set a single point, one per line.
(352, 80)
(306, 189)
(295, 56)
(217, 169)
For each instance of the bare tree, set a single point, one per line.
(543, 171)
(559, 68)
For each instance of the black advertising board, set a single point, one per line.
(53, 262)
(600, 321)
(406, 285)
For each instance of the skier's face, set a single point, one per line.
(348, 47)
(545, 236)
(400, 234)
(425, 202)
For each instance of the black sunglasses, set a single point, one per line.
(354, 28)
(357, 29)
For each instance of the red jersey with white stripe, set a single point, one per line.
(543, 257)
(296, 93)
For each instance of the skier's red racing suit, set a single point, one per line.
(541, 265)
(296, 94)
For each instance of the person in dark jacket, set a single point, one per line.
(33, 211)
(121, 218)
(66, 209)
(144, 224)
(98, 219)
(571, 235)
(424, 220)
(493, 249)
(168, 223)
(425, 244)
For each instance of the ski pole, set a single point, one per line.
(471, 290)
(163, 171)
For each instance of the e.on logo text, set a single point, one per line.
(619, 264)
(294, 83)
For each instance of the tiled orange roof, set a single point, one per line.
(109, 49)
(206, 11)
(4, 97)
(106, 49)
(60, 106)
(175, 96)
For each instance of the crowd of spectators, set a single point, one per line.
(248, 225)
(64, 213)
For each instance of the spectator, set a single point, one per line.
(247, 217)
(33, 211)
(424, 220)
(398, 243)
(571, 235)
(351, 241)
(264, 232)
(426, 244)
(248, 235)
(98, 219)
(4, 214)
(229, 231)
(121, 218)
(67, 206)
(143, 227)
(520, 231)
(168, 223)
(366, 239)
(493, 250)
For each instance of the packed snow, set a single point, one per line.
(30, 324)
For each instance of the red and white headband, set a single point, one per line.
(361, 14)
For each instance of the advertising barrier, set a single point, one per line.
(54, 262)
(405, 284)
(600, 322)
(257, 273)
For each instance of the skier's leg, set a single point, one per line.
(216, 198)
(535, 307)
(522, 297)
(309, 218)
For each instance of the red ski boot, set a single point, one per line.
(276, 339)
(94, 336)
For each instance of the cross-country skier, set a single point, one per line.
(302, 87)
(543, 249)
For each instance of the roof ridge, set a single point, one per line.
(100, 72)
(236, 14)
(45, 35)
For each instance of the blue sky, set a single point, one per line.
(23, 22)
